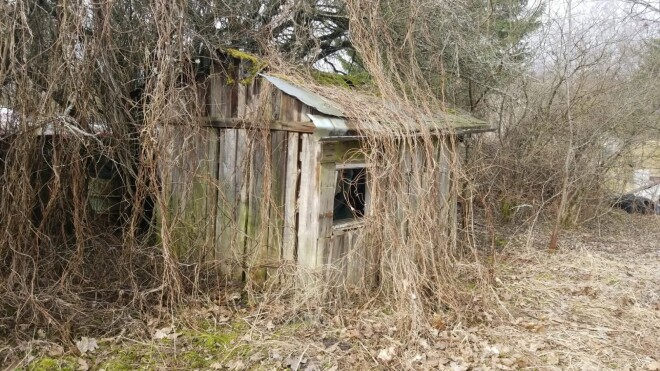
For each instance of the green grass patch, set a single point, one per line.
(53, 364)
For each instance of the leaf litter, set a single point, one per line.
(595, 304)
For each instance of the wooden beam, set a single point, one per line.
(240, 123)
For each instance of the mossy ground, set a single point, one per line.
(48, 364)
(202, 345)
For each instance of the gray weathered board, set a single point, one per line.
(261, 195)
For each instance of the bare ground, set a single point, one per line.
(594, 304)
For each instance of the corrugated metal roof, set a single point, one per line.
(328, 126)
(320, 103)
(461, 122)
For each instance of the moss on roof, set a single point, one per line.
(254, 66)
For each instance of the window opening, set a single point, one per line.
(350, 194)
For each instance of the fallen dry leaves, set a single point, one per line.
(592, 305)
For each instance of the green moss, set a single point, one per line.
(132, 357)
(388, 311)
(193, 359)
(545, 277)
(212, 340)
(118, 365)
(506, 210)
(335, 79)
(254, 65)
(500, 242)
(289, 329)
(187, 225)
(612, 281)
(51, 364)
(44, 364)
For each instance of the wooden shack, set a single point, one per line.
(291, 188)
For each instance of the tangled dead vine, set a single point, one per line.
(90, 85)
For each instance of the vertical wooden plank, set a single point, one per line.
(256, 231)
(243, 154)
(288, 107)
(212, 191)
(297, 109)
(334, 269)
(277, 104)
(227, 249)
(278, 180)
(340, 256)
(405, 185)
(220, 95)
(359, 270)
(289, 234)
(191, 228)
(453, 165)
(221, 200)
(416, 187)
(241, 106)
(256, 86)
(225, 200)
(234, 91)
(309, 203)
(444, 180)
(326, 195)
(213, 95)
(304, 110)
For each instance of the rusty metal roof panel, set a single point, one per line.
(314, 100)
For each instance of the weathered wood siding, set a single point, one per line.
(257, 196)
(188, 174)
(256, 175)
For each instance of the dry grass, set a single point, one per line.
(594, 304)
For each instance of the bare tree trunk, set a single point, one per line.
(569, 153)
